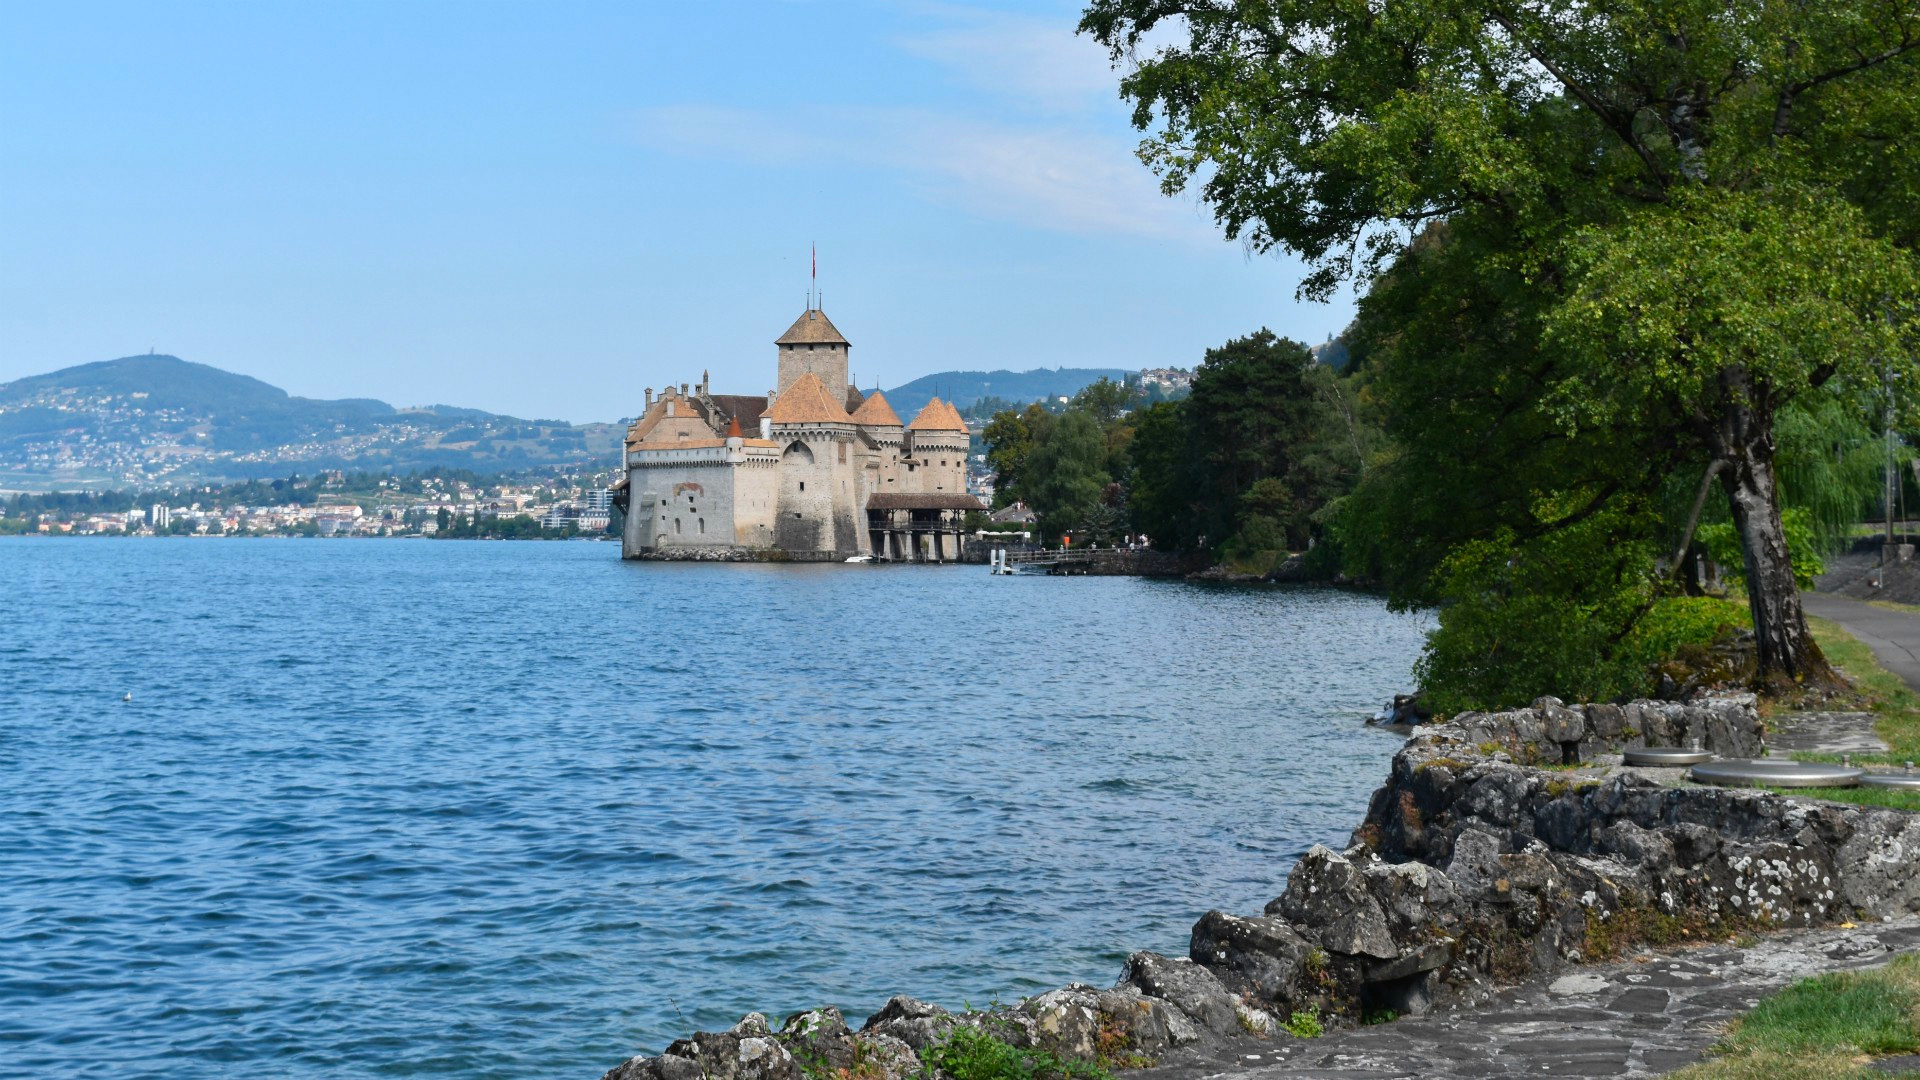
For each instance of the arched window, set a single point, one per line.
(797, 453)
(703, 526)
(676, 526)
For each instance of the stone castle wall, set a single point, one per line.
(827, 362)
(813, 510)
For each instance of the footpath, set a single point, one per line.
(1894, 636)
(1646, 1016)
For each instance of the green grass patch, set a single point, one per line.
(1820, 1027)
(969, 1053)
(1890, 798)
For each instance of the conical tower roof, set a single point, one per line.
(811, 328)
(807, 402)
(875, 412)
(938, 416)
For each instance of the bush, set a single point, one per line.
(1672, 624)
(972, 1053)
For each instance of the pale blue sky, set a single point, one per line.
(542, 208)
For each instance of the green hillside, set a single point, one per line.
(963, 388)
(160, 418)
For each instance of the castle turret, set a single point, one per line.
(812, 346)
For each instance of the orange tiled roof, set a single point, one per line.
(938, 416)
(807, 402)
(812, 328)
(875, 412)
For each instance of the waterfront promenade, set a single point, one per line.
(1647, 1015)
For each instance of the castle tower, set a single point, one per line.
(812, 346)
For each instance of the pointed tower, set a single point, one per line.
(813, 346)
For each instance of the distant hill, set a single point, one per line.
(156, 418)
(963, 388)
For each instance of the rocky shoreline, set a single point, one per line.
(1502, 847)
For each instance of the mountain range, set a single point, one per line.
(157, 419)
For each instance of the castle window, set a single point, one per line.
(676, 526)
(803, 485)
(703, 525)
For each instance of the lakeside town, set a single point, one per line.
(332, 504)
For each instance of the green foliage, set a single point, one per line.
(1159, 499)
(1539, 616)
(1304, 1025)
(1678, 621)
(1066, 473)
(1602, 248)
(972, 1053)
(1243, 463)
(1104, 399)
(1722, 545)
(1010, 438)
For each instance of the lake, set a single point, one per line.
(472, 809)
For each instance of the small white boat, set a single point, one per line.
(860, 558)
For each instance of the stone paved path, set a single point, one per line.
(1643, 1017)
(1894, 636)
(1824, 732)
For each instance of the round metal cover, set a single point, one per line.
(1768, 773)
(1664, 756)
(1903, 781)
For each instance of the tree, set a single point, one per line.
(1067, 474)
(1159, 492)
(1104, 399)
(1010, 438)
(1253, 414)
(1581, 159)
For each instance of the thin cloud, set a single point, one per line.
(1038, 63)
(1051, 177)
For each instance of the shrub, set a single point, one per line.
(972, 1053)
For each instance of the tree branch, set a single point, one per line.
(1621, 126)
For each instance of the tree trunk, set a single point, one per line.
(1786, 650)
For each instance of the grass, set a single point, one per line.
(1824, 1028)
(1890, 798)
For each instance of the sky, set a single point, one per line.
(542, 208)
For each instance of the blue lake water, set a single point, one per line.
(414, 808)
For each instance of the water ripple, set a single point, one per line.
(481, 810)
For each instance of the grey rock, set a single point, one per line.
(1265, 953)
(1149, 1024)
(1192, 989)
(914, 1022)
(1066, 1022)
(1652, 852)
(819, 1040)
(1328, 899)
(747, 1051)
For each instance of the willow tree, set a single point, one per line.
(1706, 207)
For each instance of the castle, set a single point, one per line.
(814, 470)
